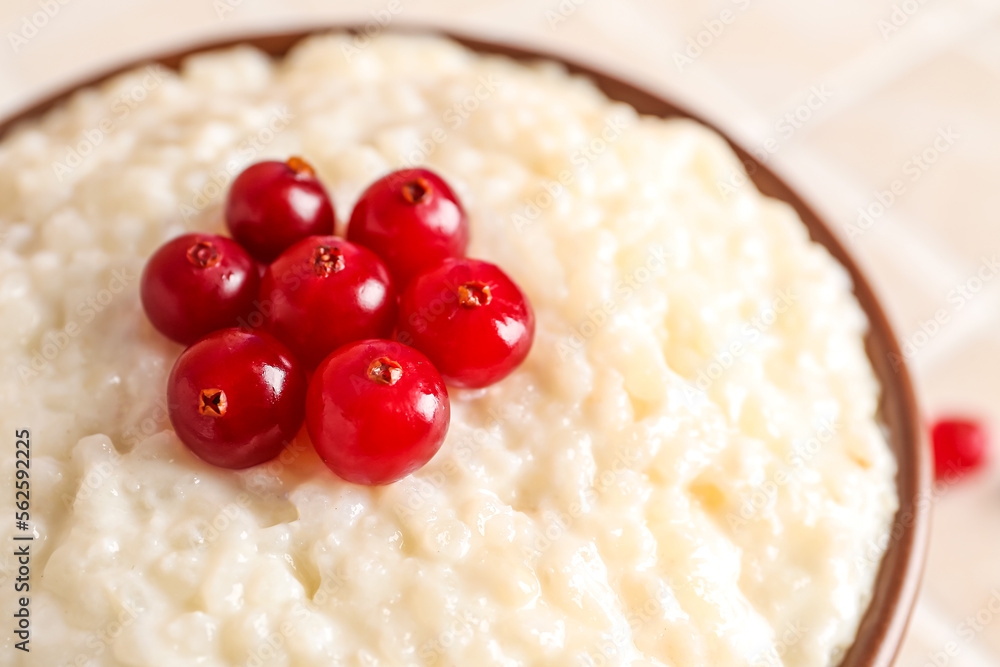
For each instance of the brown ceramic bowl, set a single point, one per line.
(884, 625)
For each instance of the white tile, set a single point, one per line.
(934, 640)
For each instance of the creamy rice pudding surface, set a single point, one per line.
(686, 471)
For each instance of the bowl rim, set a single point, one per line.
(883, 626)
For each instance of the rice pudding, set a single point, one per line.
(687, 470)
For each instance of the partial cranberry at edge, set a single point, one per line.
(470, 319)
(235, 398)
(376, 411)
(325, 292)
(960, 446)
(196, 284)
(411, 219)
(272, 205)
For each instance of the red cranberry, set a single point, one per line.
(272, 205)
(470, 319)
(198, 283)
(324, 292)
(376, 410)
(412, 220)
(235, 398)
(960, 447)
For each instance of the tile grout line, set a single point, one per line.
(675, 82)
(972, 324)
(973, 654)
(963, 327)
(929, 245)
(863, 76)
(870, 72)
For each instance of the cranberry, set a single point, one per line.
(324, 292)
(376, 410)
(960, 447)
(470, 319)
(198, 283)
(235, 398)
(272, 205)
(412, 220)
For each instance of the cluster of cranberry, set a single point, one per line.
(334, 315)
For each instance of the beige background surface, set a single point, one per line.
(903, 92)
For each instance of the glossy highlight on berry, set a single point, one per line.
(196, 284)
(273, 205)
(484, 326)
(376, 411)
(325, 292)
(413, 220)
(235, 398)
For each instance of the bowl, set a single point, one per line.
(884, 624)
